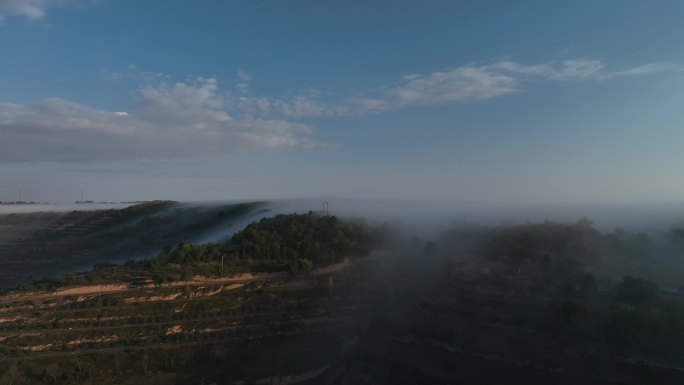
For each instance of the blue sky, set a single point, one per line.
(474, 101)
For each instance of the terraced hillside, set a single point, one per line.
(241, 329)
(389, 318)
(33, 245)
(407, 312)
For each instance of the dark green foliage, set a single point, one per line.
(295, 243)
(564, 253)
(160, 273)
(636, 290)
(319, 239)
(623, 243)
(543, 243)
(563, 315)
(657, 330)
(186, 273)
(588, 284)
(550, 244)
(506, 321)
(300, 266)
(187, 253)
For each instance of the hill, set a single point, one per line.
(34, 245)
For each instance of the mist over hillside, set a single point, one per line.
(46, 243)
(341, 192)
(401, 295)
(47, 240)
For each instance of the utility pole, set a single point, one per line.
(19, 196)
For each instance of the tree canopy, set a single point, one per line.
(320, 239)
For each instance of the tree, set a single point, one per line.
(187, 273)
(588, 284)
(563, 316)
(160, 275)
(636, 290)
(300, 266)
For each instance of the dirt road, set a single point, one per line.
(197, 281)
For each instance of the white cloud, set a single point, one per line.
(476, 82)
(195, 104)
(184, 119)
(296, 106)
(195, 117)
(576, 69)
(244, 76)
(31, 9)
(641, 70)
(472, 82)
(458, 85)
(243, 81)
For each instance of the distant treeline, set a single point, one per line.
(567, 251)
(616, 293)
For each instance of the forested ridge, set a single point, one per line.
(296, 243)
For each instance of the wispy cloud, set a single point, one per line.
(197, 117)
(184, 119)
(297, 106)
(31, 9)
(646, 69)
(243, 79)
(485, 81)
(458, 85)
(467, 83)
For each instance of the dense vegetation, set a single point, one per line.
(295, 242)
(320, 239)
(156, 334)
(619, 293)
(568, 251)
(536, 303)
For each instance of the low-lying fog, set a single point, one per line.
(425, 218)
(430, 218)
(197, 222)
(58, 207)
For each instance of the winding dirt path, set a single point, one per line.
(197, 281)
